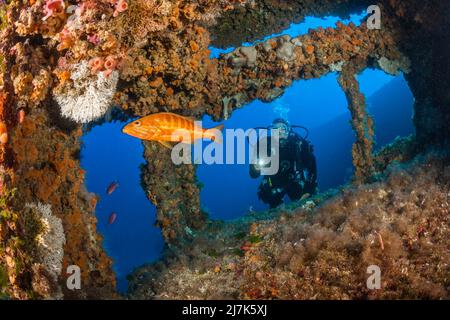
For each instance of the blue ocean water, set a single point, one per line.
(132, 240)
(326, 116)
(229, 192)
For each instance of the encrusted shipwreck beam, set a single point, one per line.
(48, 175)
(362, 122)
(46, 221)
(175, 192)
(265, 70)
(258, 19)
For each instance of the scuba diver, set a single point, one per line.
(297, 174)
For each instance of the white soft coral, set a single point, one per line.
(89, 96)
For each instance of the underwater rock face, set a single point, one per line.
(322, 249)
(155, 56)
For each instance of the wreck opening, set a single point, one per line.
(229, 192)
(107, 155)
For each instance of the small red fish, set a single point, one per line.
(112, 217)
(113, 186)
(246, 246)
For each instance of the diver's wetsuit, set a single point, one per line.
(297, 174)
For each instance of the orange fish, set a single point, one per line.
(112, 217)
(113, 186)
(161, 126)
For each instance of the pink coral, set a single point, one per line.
(110, 62)
(120, 6)
(110, 65)
(53, 7)
(62, 62)
(94, 39)
(96, 64)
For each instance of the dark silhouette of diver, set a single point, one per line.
(297, 174)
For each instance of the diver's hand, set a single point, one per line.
(285, 166)
(255, 171)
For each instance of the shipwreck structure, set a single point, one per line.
(66, 63)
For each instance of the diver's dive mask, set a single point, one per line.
(283, 129)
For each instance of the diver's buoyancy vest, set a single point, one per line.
(290, 157)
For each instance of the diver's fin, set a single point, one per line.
(165, 144)
(305, 196)
(216, 137)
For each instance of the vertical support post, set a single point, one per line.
(362, 122)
